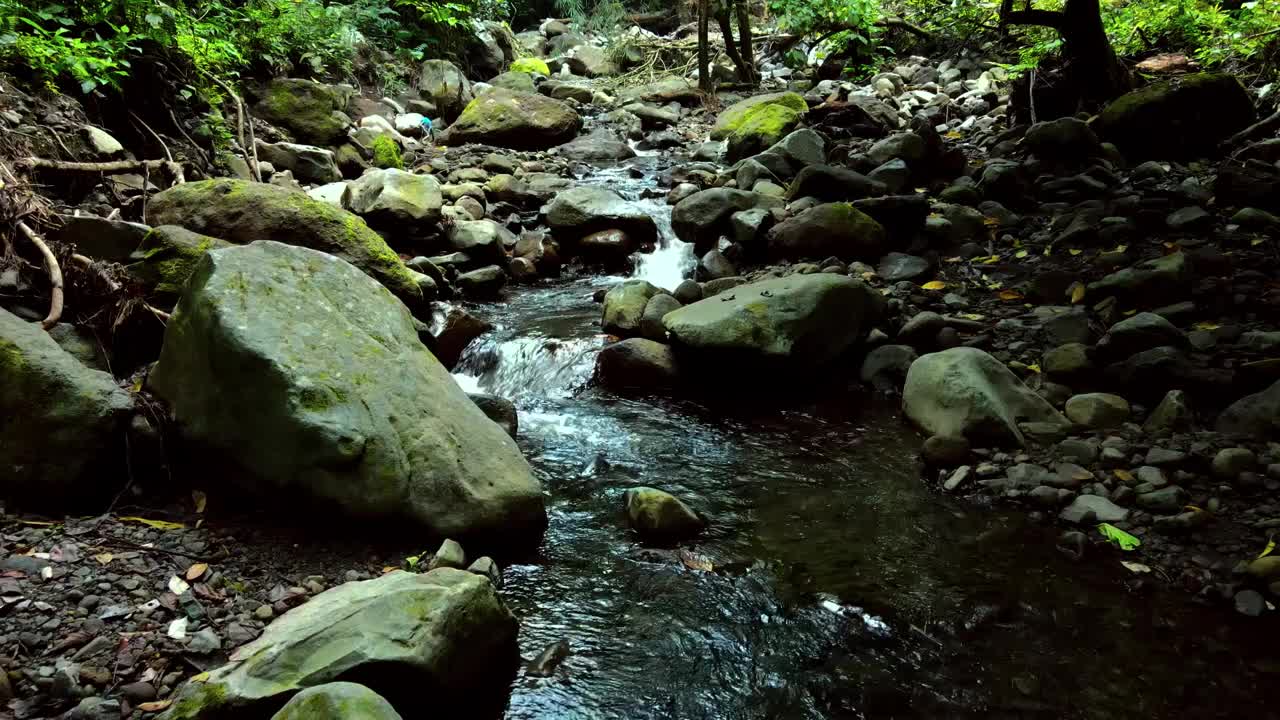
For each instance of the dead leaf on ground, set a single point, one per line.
(155, 706)
(1010, 294)
(157, 524)
(934, 285)
(1123, 475)
(1077, 293)
(104, 558)
(199, 498)
(694, 561)
(195, 571)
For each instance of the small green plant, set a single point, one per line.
(386, 153)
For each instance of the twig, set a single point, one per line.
(168, 155)
(194, 145)
(55, 275)
(121, 542)
(250, 149)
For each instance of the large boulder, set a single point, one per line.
(310, 111)
(167, 257)
(1183, 117)
(396, 200)
(514, 80)
(591, 61)
(1256, 415)
(309, 375)
(337, 701)
(831, 184)
(481, 240)
(834, 229)
(966, 392)
(444, 85)
(624, 306)
(524, 121)
(704, 216)
(637, 364)
(598, 146)
(308, 163)
(241, 212)
(586, 209)
(800, 321)
(661, 516)
(62, 423)
(662, 92)
(443, 634)
(753, 125)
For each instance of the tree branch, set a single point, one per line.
(117, 166)
(55, 275)
(1045, 18)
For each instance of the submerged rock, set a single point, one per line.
(659, 515)
(351, 410)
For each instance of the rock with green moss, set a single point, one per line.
(311, 376)
(795, 322)
(659, 515)
(395, 200)
(580, 211)
(514, 80)
(241, 212)
(386, 153)
(444, 85)
(167, 257)
(406, 636)
(308, 163)
(507, 118)
(830, 230)
(310, 111)
(61, 422)
(531, 65)
(753, 125)
(1183, 117)
(624, 306)
(337, 701)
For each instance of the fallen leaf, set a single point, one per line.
(1118, 537)
(104, 558)
(1077, 293)
(1257, 241)
(155, 706)
(1126, 313)
(38, 523)
(955, 259)
(953, 135)
(1010, 295)
(195, 571)
(990, 221)
(1123, 475)
(178, 586)
(1136, 567)
(387, 568)
(1206, 325)
(1034, 367)
(157, 524)
(933, 285)
(202, 677)
(1020, 254)
(971, 316)
(1271, 545)
(991, 260)
(178, 629)
(200, 499)
(1074, 251)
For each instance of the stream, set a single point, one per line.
(842, 585)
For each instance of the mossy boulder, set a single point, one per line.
(167, 257)
(531, 65)
(518, 120)
(830, 230)
(514, 80)
(62, 423)
(624, 306)
(444, 85)
(310, 111)
(791, 323)
(659, 515)
(310, 376)
(337, 701)
(442, 635)
(241, 212)
(386, 153)
(395, 200)
(753, 125)
(1180, 118)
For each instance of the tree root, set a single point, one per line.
(118, 166)
(251, 146)
(55, 275)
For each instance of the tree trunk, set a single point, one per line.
(726, 30)
(744, 42)
(1095, 74)
(704, 74)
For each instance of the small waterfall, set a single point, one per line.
(673, 260)
(526, 368)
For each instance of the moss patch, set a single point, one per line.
(531, 65)
(756, 110)
(386, 153)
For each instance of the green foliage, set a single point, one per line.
(598, 16)
(1214, 35)
(386, 153)
(854, 19)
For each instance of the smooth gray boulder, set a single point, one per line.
(586, 209)
(444, 85)
(404, 635)
(308, 163)
(800, 321)
(964, 391)
(308, 374)
(395, 200)
(1256, 415)
(624, 307)
(60, 421)
(337, 701)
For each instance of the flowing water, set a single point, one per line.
(841, 585)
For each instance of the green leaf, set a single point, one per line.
(1118, 537)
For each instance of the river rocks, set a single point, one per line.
(62, 422)
(885, 368)
(828, 183)
(395, 200)
(624, 307)
(481, 240)
(831, 230)
(591, 61)
(1177, 118)
(486, 282)
(945, 450)
(637, 364)
(444, 85)
(801, 148)
(1172, 414)
(1066, 141)
(897, 266)
(498, 409)
(514, 80)
(307, 109)
(337, 701)
(754, 124)
(242, 212)
(454, 329)
(597, 146)
(965, 391)
(1165, 501)
(703, 216)
(1256, 415)
(1150, 283)
(1097, 411)
(586, 209)
(800, 321)
(1138, 333)
(1089, 509)
(651, 323)
(1230, 462)
(403, 634)
(308, 163)
(669, 89)
(517, 120)
(657, 515)
(355, 413)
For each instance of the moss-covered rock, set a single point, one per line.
(443, 634)
(242, 212)
(531, 65)
(311, 111)
(516, 120)
(167, 257)
(753, 125)
(659, 515)
(444, 85)
(1183, 117)
(514, 80)
(386, 153)
(830, 230)
(395, 200)
(624, 306)
(337, 701)
(61, 422)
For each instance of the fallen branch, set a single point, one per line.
(168, 155)
(1261, 127)
(117, 166)
(55, 275)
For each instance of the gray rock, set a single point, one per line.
(1087, 509)
(498, 409)
(830, 230)
(487, 567)
(655, 514)
(337, 701)
(885, 367)
(1143, 331)
(801, 148)
(957, 478)
(1098, 410)
(481, 240)
(1165, 501)
(945, 450)
(637, 364)
(1164, 457)
(205, 642)
(101, 144)
(1172, 414)
(308, 163)
(101, 239)
(373, 424)
(829, 183)
(893, 175)
(586, 209)
(898, 266)
(1151, 281)
(1067, 141)
(1256, 415)
(750, 227)
(1081, 450)
(597, 146)
(655, 310)
(1067, 362)
(395, 200)
(485, 282)
(444, 85)
(449, 555)
(714, 265)
(624, 307)
(703, 216)
(965, 391)
(1250, 603)
(1230, 462)
(906, 146)
(688, 291)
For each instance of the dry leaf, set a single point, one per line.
(199, 498)
(971, 316)
(1136, 567)
(104, 558)
(195, 571)
(1206, 325)
(157, 524)
(178, 586)
(991, 260)
(933, 285)
(1074, 251)
(1034, 367)
(155, 706)
(178, 629)
(1020, 254)
(953, 135)
(990, 221)
(1257, 241)
(202, 677)
(1123, 475)
(1010, 295)
(1077, 293)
